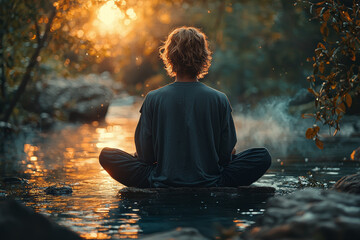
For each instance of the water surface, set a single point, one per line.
(69, 155)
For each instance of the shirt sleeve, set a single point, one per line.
(228, 136)
(143, 134)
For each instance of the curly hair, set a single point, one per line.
(186, 52)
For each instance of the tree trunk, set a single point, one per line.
(219, 19)
(27, 75)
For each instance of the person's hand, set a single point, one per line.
(233, 151)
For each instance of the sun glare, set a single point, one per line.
(109, 14)
(111, 19)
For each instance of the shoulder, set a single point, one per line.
(154, 93)
(222, 99)
(218, 98)
(153, 97)
(217, 94)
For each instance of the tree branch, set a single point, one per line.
(37, 30)
(29, 68)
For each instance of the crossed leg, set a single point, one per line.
(246, 167)
(125, 168)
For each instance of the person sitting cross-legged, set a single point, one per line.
(185, 136)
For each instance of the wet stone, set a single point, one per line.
(304, 181)
(20, 222)
(224, 190)
(78, 100)
(349, 184)
(178, 234)
(3, 193)
(6, 127)
(309, 214)
(58, 190)
(14, 180)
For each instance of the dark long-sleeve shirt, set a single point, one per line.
(187, 131)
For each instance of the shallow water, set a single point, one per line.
(95, 209)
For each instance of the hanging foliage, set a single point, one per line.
(336, 75)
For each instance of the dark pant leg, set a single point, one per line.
(246, 167)
(125, 168)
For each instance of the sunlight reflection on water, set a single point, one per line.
(70, 156)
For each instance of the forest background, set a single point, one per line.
(261, 49)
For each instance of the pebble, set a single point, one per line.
(58, 190)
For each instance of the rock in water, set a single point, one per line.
(186, 190)
(349, 184)
(58, 190)
(309, 214)
(13, 180)
(178, 234)
(18, 222)
(77, 100)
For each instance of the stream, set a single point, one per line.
(69, 153)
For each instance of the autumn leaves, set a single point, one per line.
(336, 71)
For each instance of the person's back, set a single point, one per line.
(185, 135)
(193, 134)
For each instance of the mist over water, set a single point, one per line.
(270, 124)
(266, 125)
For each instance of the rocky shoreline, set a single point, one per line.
(305, 214)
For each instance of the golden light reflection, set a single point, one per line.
(111, 136)
(29, 149)
(95, 235)
(129, 231)
(31, 163)
(240, 224)
(69, 153)
(70, 157)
